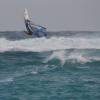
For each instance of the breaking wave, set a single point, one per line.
(73, 56)
(48, 44)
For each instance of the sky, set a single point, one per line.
(56, 15)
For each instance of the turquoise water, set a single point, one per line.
(54, 68)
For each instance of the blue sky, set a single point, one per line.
(54, 14)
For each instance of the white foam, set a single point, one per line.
(43, 44)
(6, 80)
(78, 57)
(59, 55)
(74, 56)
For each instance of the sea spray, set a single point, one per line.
(44, 44)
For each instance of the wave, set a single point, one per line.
(21, 64)
(44, 44)
(75, 56)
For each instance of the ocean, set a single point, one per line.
(62, 66)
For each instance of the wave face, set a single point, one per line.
(65, 65)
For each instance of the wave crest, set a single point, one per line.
(44, 44)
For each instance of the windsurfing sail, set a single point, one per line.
(26, 16)
(33, 29)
